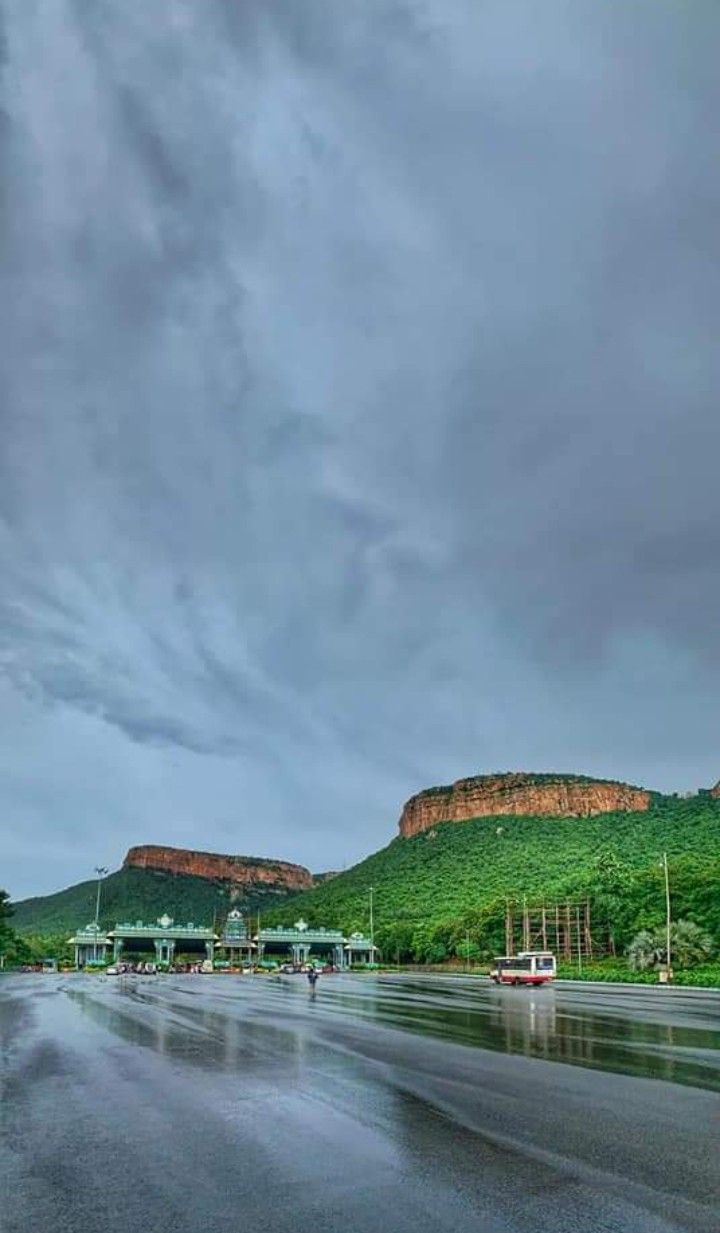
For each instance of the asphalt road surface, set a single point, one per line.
(199, 1104)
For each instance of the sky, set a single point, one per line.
(359, 421)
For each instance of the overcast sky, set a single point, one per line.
(360, 424)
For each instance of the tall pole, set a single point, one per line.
(100, 871)
(668, 917)
(467, 949)
(372, 927)
(579, 947)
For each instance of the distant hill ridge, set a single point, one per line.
(520, 794)
(187, 884)
(555, 828)
(242, 870)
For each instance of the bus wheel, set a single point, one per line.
(516, 982)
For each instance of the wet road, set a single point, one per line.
(380, 1105)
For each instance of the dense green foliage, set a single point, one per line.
(135, 894)
(14, 949)
(6, 913)
(706, 975)
(8, 939)
(430, 891)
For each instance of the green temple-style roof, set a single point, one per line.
(299, 933)
(235, 930)
(358, 941)
(164, 927)
(89, 935)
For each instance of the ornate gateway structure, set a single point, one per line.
(168, 939)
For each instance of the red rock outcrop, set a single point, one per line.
(716, 790)
(563, 796)
(242, 870)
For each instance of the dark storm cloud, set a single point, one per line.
(360, 417)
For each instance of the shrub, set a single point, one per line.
(689, 945)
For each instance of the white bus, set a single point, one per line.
(530, 967)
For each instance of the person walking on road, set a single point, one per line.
(312, 978)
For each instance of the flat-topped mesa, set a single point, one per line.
(241, 870)
(561, 796)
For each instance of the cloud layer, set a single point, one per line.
(359, 426)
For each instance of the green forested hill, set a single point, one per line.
(430, 889)
(135, 894)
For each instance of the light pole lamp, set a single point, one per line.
(372, 928)
(100, 871)
(668, 914)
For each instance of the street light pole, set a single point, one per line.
(100, 871)
(668, 918)
(372, 928)
(467, 950)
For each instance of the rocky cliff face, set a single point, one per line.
(716, 790)
(241, 870)
(564, 796)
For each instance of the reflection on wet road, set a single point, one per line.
(186, 1103)
(623, 1030)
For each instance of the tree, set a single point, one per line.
(467, 950)
(11, 946)
(434, 952)
(428, 945)
(40, 946)
(611, 885)
(395, 941)
(5, 913)
(642, 953)
(689, 946)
